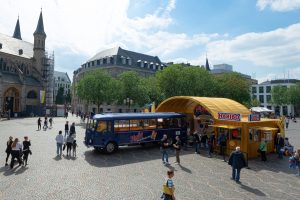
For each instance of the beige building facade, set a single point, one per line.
(25, 73)
(115, 61)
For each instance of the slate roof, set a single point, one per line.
(14, 78)
(12, 45)
(122, 52)
(62, 74)
(17, 32)
(40, 26)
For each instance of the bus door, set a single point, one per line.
(89, 133)
(103, 133)
(121, 131)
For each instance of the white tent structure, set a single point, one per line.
(261, 110)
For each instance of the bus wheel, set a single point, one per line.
(111, 147)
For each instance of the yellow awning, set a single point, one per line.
(225, 126)
(187, 104)
(265, 128)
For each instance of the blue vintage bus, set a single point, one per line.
(110, 130)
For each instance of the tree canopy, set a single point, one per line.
(98, 86)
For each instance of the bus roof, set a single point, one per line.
(128, 116)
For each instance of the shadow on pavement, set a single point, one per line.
(14, 171)
(253, 190)
(57, 158)
(127, 155)
(272, 164)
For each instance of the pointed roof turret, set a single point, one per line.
(207, 64)
(40, 26)
(17, 32)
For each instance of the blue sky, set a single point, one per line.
(258, 37)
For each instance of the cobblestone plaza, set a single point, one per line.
(134, 173)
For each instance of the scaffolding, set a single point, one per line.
(48, 74)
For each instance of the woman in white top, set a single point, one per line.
(16, 149)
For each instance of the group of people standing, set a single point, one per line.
(45, 126)
(167, 143)
(17, 150)
(68, 141)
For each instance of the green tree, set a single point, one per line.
(177, 80)
(153, 90)
(60, 98)
(294, 94)
(132, 86)
(233, 86)
(97, 87)
(280, 95)
(68, 97)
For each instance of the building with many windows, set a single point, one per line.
(26, 73)
(61, 80)
(115, 61)
(262, 92)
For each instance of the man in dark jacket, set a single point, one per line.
(279, 144)
(197, 142)
(72, 129)
(237, 161)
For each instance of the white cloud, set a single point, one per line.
(278, 5)
(275, 48)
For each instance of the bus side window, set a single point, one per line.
(159, 123)
(136, 125)
(102, 126)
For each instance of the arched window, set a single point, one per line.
(31, 95)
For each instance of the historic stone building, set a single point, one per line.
(26, 73)
(115, 61)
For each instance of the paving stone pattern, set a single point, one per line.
(134, 173)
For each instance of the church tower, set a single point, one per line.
(17, 32)
(39, 44)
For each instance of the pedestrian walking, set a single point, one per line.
(74, 146)
(8, 149)
(237, 162)
(169, 187)
(59, 142)
(197, 142)
(211, 142)
(26, 150)
(69, 142)
(39, 122)
(177, 146)
(203, 140)
(16, 149)
(45, 124)
(164, 149)
(295, 161)
(263, 149)
(287, 121)
(279, 144)
(66, 128)
(50, 121)
(222, 143)
(72, 129)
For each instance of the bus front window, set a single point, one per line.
(102, 126)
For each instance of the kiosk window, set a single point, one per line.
(236, 134)
(254, 135)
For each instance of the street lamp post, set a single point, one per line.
(128, 102)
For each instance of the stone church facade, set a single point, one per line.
(26, 73)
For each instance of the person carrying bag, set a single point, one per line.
(168, 188)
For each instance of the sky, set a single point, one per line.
(260, 38)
